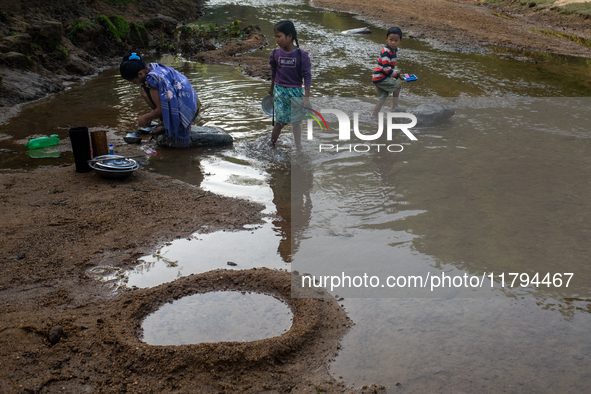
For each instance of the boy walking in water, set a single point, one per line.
(384, 77)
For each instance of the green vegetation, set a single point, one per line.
(570, 37)
(139, 29)
(117, 27)
(110, 27)
(577, 8)
(122, 27)
(77, 26)
(63, 50)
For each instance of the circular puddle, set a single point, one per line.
(219, 316)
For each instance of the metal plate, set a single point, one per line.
(119, 164)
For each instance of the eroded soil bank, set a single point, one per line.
(46, 45)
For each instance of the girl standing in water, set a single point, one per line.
(168, 93)
(289, 66)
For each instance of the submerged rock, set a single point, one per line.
(363, 30)
(429, 114)
(201, 136)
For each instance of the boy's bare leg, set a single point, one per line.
(297, 133)
(276, 131)
(395, 96)
(379, 106)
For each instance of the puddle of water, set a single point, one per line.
(206, 252)
(217, 317)
(265, 245)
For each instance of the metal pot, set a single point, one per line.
(133, 138)
(114, 173)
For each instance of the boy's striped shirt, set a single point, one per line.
(385, 66)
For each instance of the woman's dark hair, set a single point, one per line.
(287, 28)
(131, 66)
(394, 30)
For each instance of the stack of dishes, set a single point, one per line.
(113, 166)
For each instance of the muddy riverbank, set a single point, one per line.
(471, 26)
(59, 224)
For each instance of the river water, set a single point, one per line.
(504, 188)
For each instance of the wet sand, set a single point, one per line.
(469, 26)
(59, 224)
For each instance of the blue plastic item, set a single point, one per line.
(409, 77)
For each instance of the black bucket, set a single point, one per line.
(81, 147)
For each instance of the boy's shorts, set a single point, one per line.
(388, 85)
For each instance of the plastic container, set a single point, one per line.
(80, 147)
(42, 142)
(43, 153)
(111, 152)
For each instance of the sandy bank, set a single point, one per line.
(58, 224)
(469, 25)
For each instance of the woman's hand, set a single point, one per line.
(306, 102)
(143, 120)
(271, 90)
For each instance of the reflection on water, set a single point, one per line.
(486, 192)
(216, 317)
(204, 252)
(502, 190)
(464, 346)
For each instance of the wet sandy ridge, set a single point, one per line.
(59, 224)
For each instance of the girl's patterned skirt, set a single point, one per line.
(282, 98)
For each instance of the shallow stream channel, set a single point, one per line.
(498, 197)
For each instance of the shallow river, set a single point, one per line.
(503, 188)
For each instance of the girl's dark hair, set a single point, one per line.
(131, 65)
(394, 30)
(287, 28)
